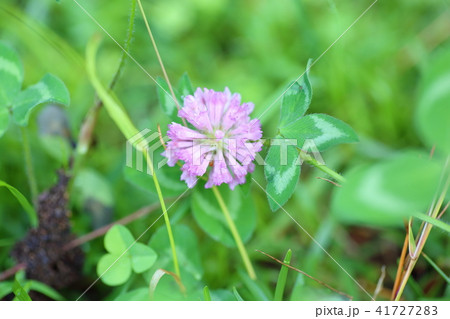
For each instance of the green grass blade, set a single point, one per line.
(436, 267)
(411, 240)
(24, 202)
(20, 292)
(7, 242)
(237, 295)
(5, 289)
(45, 290)
(206, 294)
(253, 287)
(282, 277)
(433, 221)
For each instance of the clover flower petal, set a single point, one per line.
(223, 140)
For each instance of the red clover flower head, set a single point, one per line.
(223, 139)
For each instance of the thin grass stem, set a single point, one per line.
(155, 47)
(282, 277)
(436, 267)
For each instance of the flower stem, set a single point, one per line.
(166, 216)
(29, 166)
(235, 233)
(312, 161)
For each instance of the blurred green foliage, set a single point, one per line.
(370, 79)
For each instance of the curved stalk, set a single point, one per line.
(88, 126)
(158, 56)
(126, 126)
